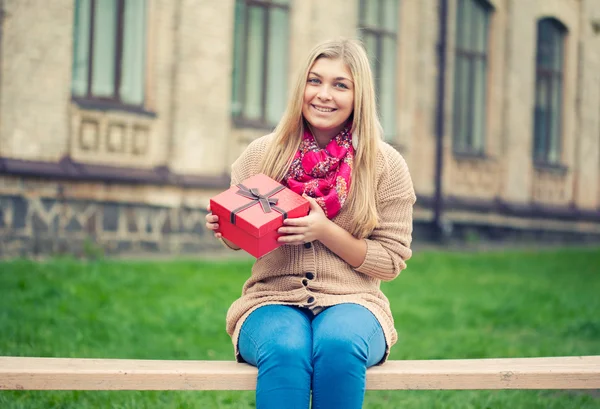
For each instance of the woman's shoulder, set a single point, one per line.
(392, 172)
(389, 159)
(255, 150)
(261, 143)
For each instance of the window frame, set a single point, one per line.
(89, 100)
(238, 119)
(379, 33)
(473, 145)
(552, 77)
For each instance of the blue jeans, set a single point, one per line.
(294, 349)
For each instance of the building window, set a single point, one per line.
(260, 62)
(378, 28)
(109, 44)
(470, 75)
(548, 91)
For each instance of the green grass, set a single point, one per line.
(446, 305)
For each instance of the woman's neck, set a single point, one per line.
(324, 137)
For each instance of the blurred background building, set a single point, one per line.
(119, 119)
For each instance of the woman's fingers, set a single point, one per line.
(291, 230)
(212, 222)
(297, 221)
(212, 226)
(292, 239)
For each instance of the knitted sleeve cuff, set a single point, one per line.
(224, 243)
(378, 263)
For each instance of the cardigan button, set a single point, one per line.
(305, 282)
(310, 275)
(307, 245)
(310, 300)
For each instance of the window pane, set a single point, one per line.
(370, 41)
(464, 24)
(548, 108)
(254, 64)
(479, 105)
(480, 37)
(370, 13)
(541, 118)
(81, 51)
(460, 23)
(134, 51)
(238, 57)
(461, 94)
(555, 121)
(277, 67)
(105, 29)
(545, 44)
(558, 45)
(387, 90)
(390, 15)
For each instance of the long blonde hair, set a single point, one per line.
(366, 130)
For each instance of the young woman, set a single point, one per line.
(311, 315)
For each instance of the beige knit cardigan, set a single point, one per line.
(277, 277)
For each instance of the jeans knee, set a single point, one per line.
(286, 353)
(341, 348)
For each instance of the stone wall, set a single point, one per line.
(37, 217)
(141, 180)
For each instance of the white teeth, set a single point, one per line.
(323, 109)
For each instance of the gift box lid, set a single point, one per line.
(257, 204)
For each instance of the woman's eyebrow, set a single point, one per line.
(336, 79)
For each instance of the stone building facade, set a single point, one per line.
(120, 118)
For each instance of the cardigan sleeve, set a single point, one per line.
(388, 246)
(248, 163)
(245, 166)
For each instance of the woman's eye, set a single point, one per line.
(313, 80)
(341, 85)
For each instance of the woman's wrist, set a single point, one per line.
(325, 229)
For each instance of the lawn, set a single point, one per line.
(446, 305)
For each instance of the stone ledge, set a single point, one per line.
(534, 210)
(68, 169)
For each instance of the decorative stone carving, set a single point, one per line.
(474, 177)
(112, 138)
(549, 187)
(116, 138)
(140, 140)
(89, 135)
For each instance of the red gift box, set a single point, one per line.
(251, 212)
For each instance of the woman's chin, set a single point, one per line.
(324, 125)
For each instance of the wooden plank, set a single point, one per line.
(124, 374)
(505, 373)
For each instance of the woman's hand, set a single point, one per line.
(305, 229)
(212, 223)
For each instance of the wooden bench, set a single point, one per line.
(20, 373)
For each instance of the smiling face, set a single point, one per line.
(328, 98)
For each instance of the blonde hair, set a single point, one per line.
(366, 130)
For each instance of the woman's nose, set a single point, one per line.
(324, 94)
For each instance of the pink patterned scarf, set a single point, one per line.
(323, 174)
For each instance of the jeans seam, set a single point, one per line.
(377, 327)
(253, 342)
